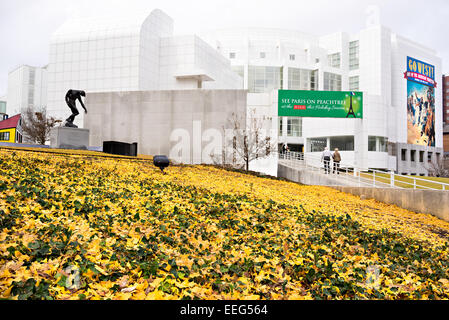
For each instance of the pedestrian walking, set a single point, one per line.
(337, 159)
(326, 157)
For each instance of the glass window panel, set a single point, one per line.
(372, 143)
(334, 60)
(354, 83)
(294, 127)
(353, 55)
(317, 144)
(264, 79)
(280, 126)
(383, 142)
(345, 143)
(332, 81)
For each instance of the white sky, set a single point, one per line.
(26, 25)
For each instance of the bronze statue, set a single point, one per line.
(70, 99)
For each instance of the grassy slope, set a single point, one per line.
(201, 232)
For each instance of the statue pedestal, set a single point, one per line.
(69, 138)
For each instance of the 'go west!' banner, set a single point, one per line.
(420, 102)
(420, 72)
(320, 104)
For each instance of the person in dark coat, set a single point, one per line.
(337, 159)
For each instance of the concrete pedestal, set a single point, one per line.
(69, 138)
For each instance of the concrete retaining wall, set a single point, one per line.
(305, 176)
(182, 124)
(420, 201)
(22, 145)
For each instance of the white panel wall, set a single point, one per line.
(20, 85)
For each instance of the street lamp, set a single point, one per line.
(161, 162)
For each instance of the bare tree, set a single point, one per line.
(249, 139)
(437, 169)
(36, 125)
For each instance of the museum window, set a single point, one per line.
(264, 79)
(240, 70)
(280, 126)
(421, 156)
(294, 127)
(4, 136)
(403, 154)
(413, 155)
(31, 96)
(345, 143)
(334, 60)
(377, 144)
(354, 83)
(314, 80)
(292, 57)
(372, 143)
(353, 55)
(383, 144)
(300, 79)
(332, 81)
(232, 55)
(317, 144)
(429, 157)
(32, 78)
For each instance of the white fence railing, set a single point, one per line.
(359, 176)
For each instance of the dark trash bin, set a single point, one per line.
(120, 148)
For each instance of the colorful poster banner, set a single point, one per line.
(420, 102)
(420, 114)
(320, 104)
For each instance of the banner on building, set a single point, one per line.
(420, 72)
(420, 103)
(320, 104)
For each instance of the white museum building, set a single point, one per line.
(139, 52)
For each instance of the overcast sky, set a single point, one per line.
(26, 25)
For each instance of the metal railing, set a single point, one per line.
(361, 176)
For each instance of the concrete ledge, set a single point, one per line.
(23, 145)
(421, 201)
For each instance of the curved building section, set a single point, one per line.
(105, 54)
(132, 52)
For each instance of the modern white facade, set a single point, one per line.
(139, 52)
(27, 87)
(135, 52)
(372, 61)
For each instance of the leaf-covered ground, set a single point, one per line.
(130, 232)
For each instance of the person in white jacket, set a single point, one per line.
(326, 157)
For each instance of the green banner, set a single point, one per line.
(320, 104)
